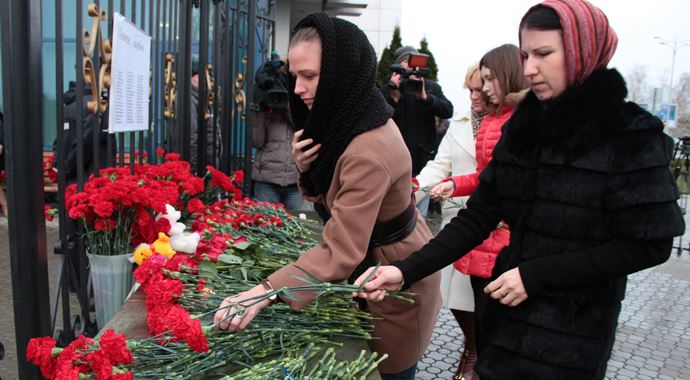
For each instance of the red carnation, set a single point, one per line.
(221, 180)
(165, 291)
(65, 366)
(276, 220)
(415, 184)
(104, 209)
(172, 156)
(49, 212)
(114, 346)
(212, 248)
(175, 264)
(238, 176)
(162, 225)
(101, 364)
(149, 268)
(40, 352)
(195, 336)
(195, 206)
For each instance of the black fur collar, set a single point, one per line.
(570, 123)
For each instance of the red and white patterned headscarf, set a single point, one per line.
(588, 39)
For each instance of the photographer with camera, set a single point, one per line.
(417, 102)
(274, 172)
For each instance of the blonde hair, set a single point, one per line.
(305, 34)
(471, 72)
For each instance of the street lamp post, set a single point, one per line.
(674, 45)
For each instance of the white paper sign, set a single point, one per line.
(129, 86)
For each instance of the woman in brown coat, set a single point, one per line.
(353, 160)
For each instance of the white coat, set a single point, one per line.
(455, 156)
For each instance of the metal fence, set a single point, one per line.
(229, 37)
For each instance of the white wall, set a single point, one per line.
(282, 26)
(378, 20)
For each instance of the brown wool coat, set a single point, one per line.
(371, 184)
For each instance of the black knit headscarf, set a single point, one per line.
(347, 101)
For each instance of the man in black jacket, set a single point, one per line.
(415, 113)
(91, 124)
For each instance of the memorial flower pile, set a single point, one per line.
(182, 295)
(238, 243)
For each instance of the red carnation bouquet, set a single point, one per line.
(117, 207)
(107, 358)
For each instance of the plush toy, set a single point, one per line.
(162, 246)
(176, 240)
(142, 252)
(185, 242)
(180, 241)
(173, 216)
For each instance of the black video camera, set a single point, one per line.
(270, 91)
(417, 66)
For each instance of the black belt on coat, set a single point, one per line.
(388, 232)
(396, 229)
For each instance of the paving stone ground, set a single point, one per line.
(652, 341)
(8, 366)
(652, 338)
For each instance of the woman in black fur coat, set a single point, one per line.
(581, 176)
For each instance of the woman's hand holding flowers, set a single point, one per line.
(443, 190)
(387, 277)
(235, 313)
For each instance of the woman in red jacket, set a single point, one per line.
(501, 72)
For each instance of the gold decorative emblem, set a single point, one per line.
(240, 98)
(170, 93)
(98, 103)
(210, 87)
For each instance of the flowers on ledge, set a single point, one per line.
(233, 244)
(117, 207)
(105, 358)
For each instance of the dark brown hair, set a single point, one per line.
(540, 17)
(505, 64)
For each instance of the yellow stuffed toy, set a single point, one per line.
(162, 246)
(142, 252)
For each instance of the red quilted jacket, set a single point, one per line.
(480, 261)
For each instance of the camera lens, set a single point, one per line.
(413, 85)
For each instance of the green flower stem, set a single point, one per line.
(308, 365)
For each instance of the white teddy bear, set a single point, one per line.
(180, 241)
